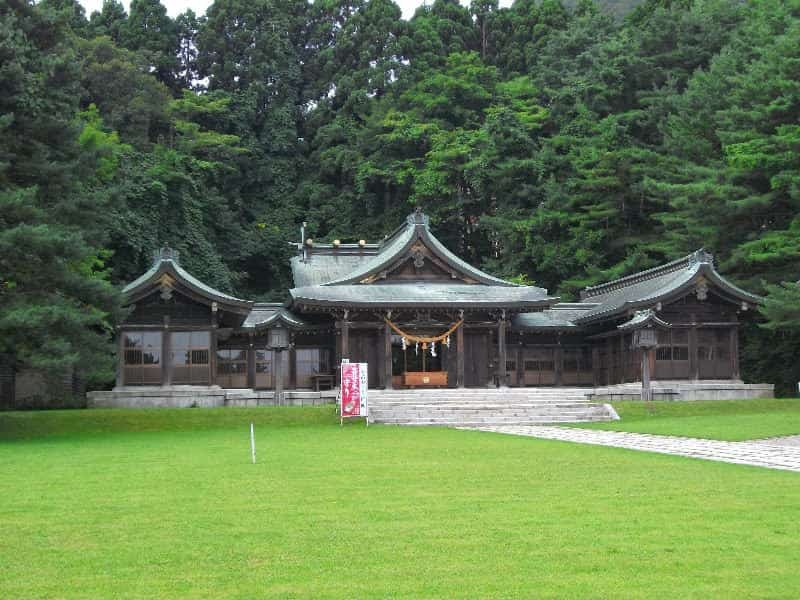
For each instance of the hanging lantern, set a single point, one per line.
(433, 349)
(405, 344)
(447, 341)
(416, 348)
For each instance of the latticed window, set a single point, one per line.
(190, 357)
(142, 358)
(539, 364)
(672, 354)
(264, 363)
(310, 362)
(577, 366)
(232, 368)
(714, 353)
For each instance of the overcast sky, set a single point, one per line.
(176, 7)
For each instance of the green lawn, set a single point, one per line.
(732, 420)
(165, 504)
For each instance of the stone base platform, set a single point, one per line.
(685, 390)
(180, 396)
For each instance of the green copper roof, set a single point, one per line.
(265, 314)
(647, 288)
(329, 276)
(166, 262)
(416, 228)
(424, 295)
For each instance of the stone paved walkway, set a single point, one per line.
(760, 453)
(787, 440)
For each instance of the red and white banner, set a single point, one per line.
(353, 393)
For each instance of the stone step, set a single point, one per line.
(486, 413)
(482, 402)
(479, 410)
(484, 408)
(486, 422)
(466, 407)
(373, 398)
(484, 395)
(468, 391)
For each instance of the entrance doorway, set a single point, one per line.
(416, 367)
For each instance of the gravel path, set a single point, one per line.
(762, 453)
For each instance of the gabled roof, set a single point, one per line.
(268, 314)
(661, 283)
(321, 267)
(356, 276)
(422, 295)
(166, 271)
(394, 248)
(643, 318)
(560, 316)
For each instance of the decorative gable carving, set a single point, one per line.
(418, 263)
(166, 284)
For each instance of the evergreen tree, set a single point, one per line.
(149, 31)
(56, 305)
(109, 21)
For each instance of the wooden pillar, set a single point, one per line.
(212, 356)
(337, 354)
(387, 357)
(501, 352)
(342, 345)
(212, 346)
(735, 374)
(623, 363)
(292, 366)
(120, 359)
(558, 362)
(345, 328)
(166, 354)
(460, 356)
(278, 354)
(611, 369)
(520, 365)
(694, 363)
(595, 365)
(646, 392)
(251, 363)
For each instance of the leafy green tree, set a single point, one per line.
(782, 307)
(109, 21)
(149, 31)
(130, 100)
(72, 11)
(56, 305)
(187, 26)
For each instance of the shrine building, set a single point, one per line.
(421, 317)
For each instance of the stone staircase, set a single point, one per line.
(479, 406)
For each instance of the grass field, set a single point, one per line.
(716, 420)
(165, 504)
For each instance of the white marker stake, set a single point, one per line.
(252, 443)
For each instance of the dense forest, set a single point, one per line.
(553, 143)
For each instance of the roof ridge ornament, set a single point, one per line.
(701, 256)
(166, 253)
(418, 217)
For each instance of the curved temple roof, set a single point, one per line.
(643, 318)
(330, 277)
(166, 263)
(661, 283)
(266, 314)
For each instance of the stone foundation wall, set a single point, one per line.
(685, 391)
(203, 397)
